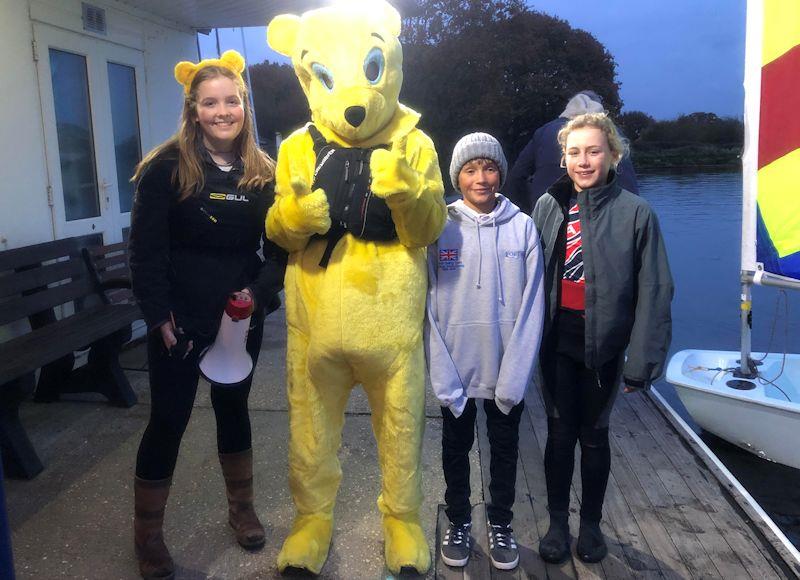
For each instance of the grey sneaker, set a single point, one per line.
(503, 547)
(456, 544)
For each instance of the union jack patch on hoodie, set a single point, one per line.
(450, 259)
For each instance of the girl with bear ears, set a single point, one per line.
(190, 248)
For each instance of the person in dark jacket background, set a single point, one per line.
(608, 294)
(196, 233)
(539, 166)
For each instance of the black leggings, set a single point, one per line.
(173, 386)
(579, 403)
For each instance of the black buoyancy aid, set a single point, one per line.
(344, 174)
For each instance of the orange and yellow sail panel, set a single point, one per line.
(778, 232)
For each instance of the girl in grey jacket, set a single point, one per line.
(609, 290)
(484, 322)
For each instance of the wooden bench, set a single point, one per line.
(109, 268)
(35, 282)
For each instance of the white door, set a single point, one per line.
(92, 101)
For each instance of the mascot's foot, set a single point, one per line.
(404, 545)
(306, 547)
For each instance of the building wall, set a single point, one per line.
(25, 216)
(24, 213)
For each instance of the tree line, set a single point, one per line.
(705, 128)
(495, 66)
(697, 139)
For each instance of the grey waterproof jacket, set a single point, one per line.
(628, 281)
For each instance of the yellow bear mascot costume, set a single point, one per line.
(359, 318)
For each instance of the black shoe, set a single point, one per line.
(554, 546)
(503, 547)
(456, 544)
(591, 546)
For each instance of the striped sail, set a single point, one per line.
(771, 214)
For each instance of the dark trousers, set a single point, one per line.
(173, 386)
(458, 435)
(579, 404)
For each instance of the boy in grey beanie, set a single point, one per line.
(483, 327)
(477, 146)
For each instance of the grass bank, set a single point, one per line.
(656, 156)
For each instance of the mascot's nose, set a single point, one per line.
(355, 115)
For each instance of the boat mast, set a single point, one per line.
(752, 109)
(747, 368)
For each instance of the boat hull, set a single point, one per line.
(764, 419)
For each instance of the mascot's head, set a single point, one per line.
(349, 61)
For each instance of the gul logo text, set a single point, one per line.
(228, 197)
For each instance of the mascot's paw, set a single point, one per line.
(314, 208)
(309, 213)
(391, 173)
(306, 547)
(404, 544)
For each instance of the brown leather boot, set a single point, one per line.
(238, 471)
(150, 499)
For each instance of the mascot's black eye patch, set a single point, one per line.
(378, 36)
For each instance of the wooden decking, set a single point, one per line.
(666, 514)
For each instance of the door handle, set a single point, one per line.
(104, 186)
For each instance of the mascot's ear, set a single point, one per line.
(282, 33)
(233, 60)
(391, 18)
(184, 71)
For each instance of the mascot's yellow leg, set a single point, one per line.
(398, 420)
(316, 417)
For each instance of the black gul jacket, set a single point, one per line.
(186, 257)
(628, 281)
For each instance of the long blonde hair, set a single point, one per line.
(188, 177)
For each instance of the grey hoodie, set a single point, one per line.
(485, 306)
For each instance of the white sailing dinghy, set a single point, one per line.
(749, 398)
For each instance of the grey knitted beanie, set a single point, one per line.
(477, 146)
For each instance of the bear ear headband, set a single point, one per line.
(185, 71)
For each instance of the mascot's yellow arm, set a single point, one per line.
(289, 220)
(413, 191)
